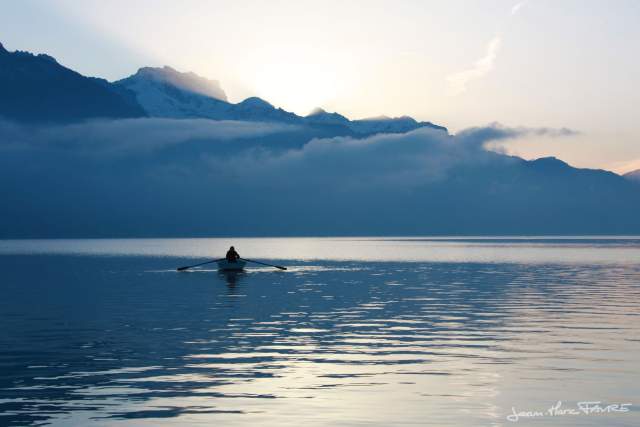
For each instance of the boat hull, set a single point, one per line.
(225, 265)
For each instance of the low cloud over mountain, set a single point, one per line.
(165, 177)
(162, 153)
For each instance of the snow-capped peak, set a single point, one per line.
(165, 92)
(188, 82)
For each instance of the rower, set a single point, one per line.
(232, 255)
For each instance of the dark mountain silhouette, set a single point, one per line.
(36, 88)
(509, 195)
(633, 175)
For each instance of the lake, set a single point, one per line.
(482, 331)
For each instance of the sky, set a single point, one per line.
(537, 63)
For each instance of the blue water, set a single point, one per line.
(376, 332)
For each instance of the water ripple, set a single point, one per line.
(334, 343)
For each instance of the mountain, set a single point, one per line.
(385, 124)
(165, 92)
(206, 178)
(633, 175)
(187, 82)
(509, 195)
(36, 88)
(257, 109)
(370, 126)
(260, 170)
(320, 116)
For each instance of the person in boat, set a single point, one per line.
(232, 255)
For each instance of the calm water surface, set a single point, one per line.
(375, 332)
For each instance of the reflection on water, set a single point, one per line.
(106, 340)
(232, 278)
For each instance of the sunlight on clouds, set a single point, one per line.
(458, 82)
(296, 86)
(518, 6)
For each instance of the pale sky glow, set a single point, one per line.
(458, 82)
(548, 63)
(516, 7)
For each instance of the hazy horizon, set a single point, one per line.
(530, 63)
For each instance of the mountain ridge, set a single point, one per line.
(633, 175)
(161, 100)
(38, 89)
(42, 90)
(261, 170)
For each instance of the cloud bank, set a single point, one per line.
(248, 150)
(133, 135)
(156, 177)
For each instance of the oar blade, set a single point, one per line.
(197, 265)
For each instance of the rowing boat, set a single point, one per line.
(225, 265)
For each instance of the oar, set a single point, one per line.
(196, 265)
(264, 263)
